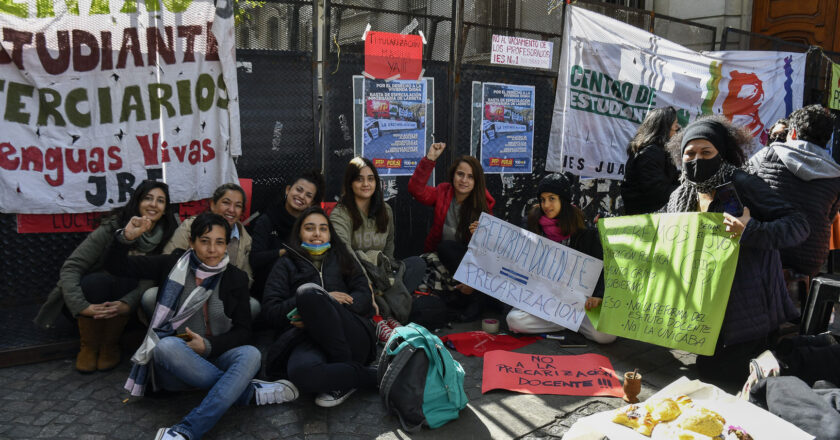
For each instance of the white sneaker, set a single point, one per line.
(279, 391)
(168, 434)
(333, 398)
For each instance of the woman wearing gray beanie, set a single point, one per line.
(711, 152)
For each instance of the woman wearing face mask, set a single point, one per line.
(200, 327)
(650, 175)
(318, 287)
(99, 301)
(712, 152)
(557, 219)
(228, 201)
(273, 228)
(457, 204)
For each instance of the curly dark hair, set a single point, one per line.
(655, 129)
(132, 208)
(738, 141)
(780, 137)
(812, 123)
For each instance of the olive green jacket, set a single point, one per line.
(87, 258)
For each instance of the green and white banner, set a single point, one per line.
(611, 74)
(97, 95)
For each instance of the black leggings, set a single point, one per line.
(451, 253)
(338, 347)
(100, 287)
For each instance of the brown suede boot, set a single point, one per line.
(109, 353)
(89, 341)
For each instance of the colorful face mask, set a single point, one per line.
(316, 249)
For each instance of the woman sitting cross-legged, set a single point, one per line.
(99, 300)
(200, 326)
(317, 286)
(557, 219)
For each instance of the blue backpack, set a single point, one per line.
(419, 380)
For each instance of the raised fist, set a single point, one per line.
(435, 150)
(136, 227)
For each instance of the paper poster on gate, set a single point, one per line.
(529, 272)
(612, 74)
(581, 375)
(97, 97)
(667, 279)
(391, 123)
(505, 131)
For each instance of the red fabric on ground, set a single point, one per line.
(479, 342)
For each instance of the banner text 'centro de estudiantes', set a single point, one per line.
(612, 74)
(96, 96)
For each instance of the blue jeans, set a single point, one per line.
(228, 377)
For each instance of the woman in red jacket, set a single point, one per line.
(458, 203)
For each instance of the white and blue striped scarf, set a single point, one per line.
(165, 319)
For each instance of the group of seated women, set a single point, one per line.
(311, 277)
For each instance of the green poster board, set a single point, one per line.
(667, 279)
(834, 98)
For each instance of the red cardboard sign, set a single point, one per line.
(87, 221)
(388, 54)
(582, 375)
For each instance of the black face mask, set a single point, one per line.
(700, 170)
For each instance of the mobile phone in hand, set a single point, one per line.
(185, 336)
(292, 314)
(728, 198)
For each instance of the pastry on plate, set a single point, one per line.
(635, 417)
(702, 420)
(663, 410)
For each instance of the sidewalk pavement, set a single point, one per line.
(51, 400)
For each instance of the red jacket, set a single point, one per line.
(438, 196)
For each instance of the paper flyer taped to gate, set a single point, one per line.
(529, 272)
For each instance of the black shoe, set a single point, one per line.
(333, 398)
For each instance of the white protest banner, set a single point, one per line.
(611, 74)
(522, 52)
(99, 96)
(529, 272)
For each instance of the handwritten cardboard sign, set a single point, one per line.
(529, 272)
(388, 54)
(667, 279)
(582, 375)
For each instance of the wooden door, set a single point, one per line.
(812, 22)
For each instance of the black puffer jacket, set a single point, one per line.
(649, 178)
(294, 270)
(759, 301)
(810, 189)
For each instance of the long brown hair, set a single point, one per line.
(569, 220)
(377, 202)
(476, 202)
(655, 129)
